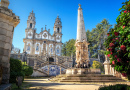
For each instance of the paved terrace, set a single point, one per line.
(45, 84)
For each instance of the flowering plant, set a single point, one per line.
(118, 41)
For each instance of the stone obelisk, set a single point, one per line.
(82, 57)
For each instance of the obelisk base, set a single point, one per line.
(82, 71)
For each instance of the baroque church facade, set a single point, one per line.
(43, 43)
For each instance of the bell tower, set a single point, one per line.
(31, 21)
(57, 25)
(30, 30)
(58, 35)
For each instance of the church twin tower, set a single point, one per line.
(43, 43)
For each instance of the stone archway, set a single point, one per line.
(51, 60)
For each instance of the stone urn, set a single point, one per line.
(19, 80)
(0, 73)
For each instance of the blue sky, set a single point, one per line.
(46, 11)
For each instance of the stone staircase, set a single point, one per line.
(44, 72)
(87, 78)
(58, 78)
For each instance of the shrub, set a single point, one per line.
(13, 76)
(15, 69)
(15, 65)
(118, 41)
(27, 70)
(115, 87)
(97, 65)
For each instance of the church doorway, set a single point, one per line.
(51, 60)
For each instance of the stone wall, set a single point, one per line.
(8, 21)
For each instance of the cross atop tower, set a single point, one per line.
(41, 29)
(45, 27)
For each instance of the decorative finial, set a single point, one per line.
(41, 29)
(32, 10)
(45, 27)
(48, 30)
(4, 3)
(79, 5)
(57, 15)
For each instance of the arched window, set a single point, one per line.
(44, 41)
(58, 30)
(57, 50)
(51, 50)
(30, 25)
(28, 48)
(37, 48)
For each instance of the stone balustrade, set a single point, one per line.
(109, 70)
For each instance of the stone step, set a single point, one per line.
(90, 75)
(92, 78)
(92, 81)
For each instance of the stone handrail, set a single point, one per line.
(42, 71)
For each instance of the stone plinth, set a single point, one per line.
(8, 21)
(81, 71)
(107, 67)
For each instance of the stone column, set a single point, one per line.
(106, 66)
(8, 21)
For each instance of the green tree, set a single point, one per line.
(64, 52)
(96, 38)
(68, 48)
